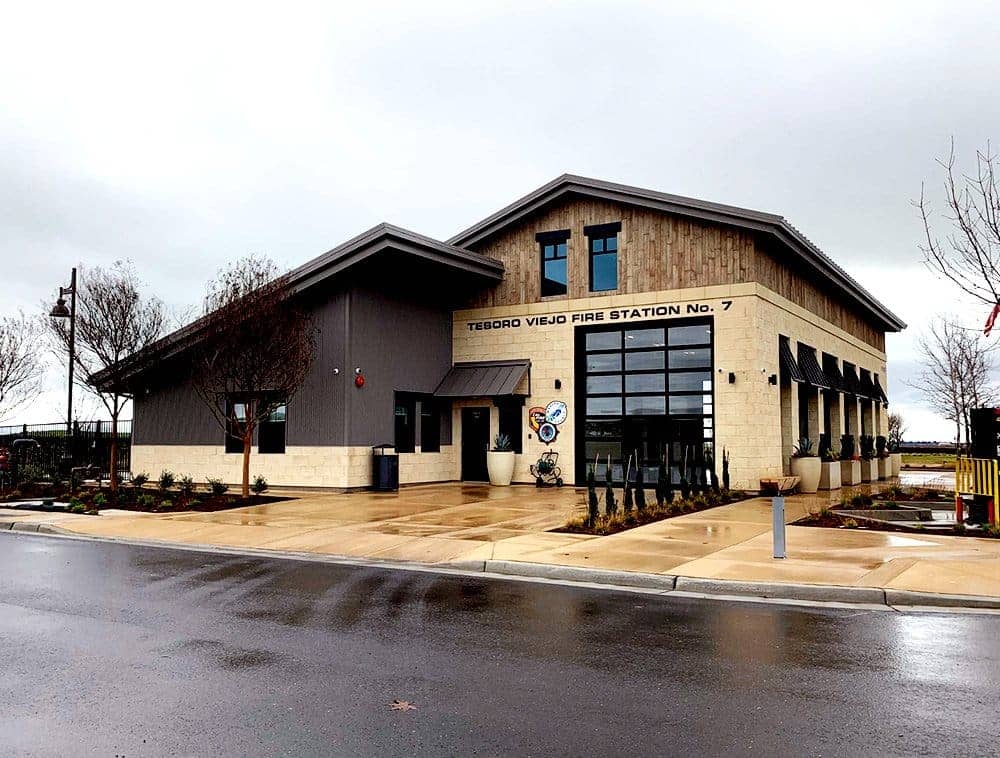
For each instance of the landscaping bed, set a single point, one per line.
(619, 519)
(896, 509)
(90, 499)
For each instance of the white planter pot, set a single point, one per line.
(850, 473)
(501, 467)
(869, 470)
(897, 463)
(829, 476)
(808, 471)
(884, 468)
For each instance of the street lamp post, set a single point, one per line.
(59, 310)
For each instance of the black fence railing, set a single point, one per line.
(54, 451)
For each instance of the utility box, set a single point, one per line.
(385, 469)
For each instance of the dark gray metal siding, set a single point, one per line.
(171, 413)
(400, 341)
(402, 344)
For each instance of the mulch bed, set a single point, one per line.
(619, 522)
(144, 500)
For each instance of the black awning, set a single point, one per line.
(852, 385)
(789, 368)
(810, 367)
(485, 379)
(832, 372)
(866, 388)
(880, 393)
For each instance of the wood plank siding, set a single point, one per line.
(657, 251)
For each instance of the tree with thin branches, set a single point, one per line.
(257, 347)
(114, 320)
(968, 253)
(20, 363)
(956, 374)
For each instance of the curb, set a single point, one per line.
(664, 584)
(821, 593)
(588, 575)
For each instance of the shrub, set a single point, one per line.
(140, 479)
(166, 480)
(850, 523)
(100, 500)
(32, 472)
(959, 528)
(146, 501)
(186, 484)
(75, 506)
(824, 511)
(991, 530)
(165, 504)
(259, 484)
(216, 486)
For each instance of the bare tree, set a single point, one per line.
(957, 373)
(969, 254)
(258, 348)
(20, 365)
(113, 321)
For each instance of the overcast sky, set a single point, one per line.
(190, 134)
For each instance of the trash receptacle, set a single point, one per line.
(385, 469)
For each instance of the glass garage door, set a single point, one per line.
(644, 389)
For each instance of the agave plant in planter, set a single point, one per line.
(806, 465)
(500, 461)
(829, 476)
(850, 462)
(869, 464)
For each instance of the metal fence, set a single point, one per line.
(88, 445)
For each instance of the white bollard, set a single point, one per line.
(778, 525)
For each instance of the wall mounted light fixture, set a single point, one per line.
(732, 377)
(772, 379)
(558, 384)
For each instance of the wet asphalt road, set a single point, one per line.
(110, 649)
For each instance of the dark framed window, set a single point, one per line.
(645, 389)
(602, 244)
(236, 416)
(510, 420)
(430, 426)
(405, 412)
(271, 431)
(553, 247)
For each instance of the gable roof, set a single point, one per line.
(790, 238)
(365, 245)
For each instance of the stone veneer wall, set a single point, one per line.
(338, 467)
(748, 419)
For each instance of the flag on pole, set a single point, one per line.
(992, 319)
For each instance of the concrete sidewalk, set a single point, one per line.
(462, 524)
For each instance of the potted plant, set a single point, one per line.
(882, 455)
(500, 461)
(850, 462)
(829, 475)
(806, 466)
(869, 465)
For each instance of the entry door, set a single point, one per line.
(475, 440)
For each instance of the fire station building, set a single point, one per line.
(596, 320)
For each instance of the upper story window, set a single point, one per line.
(555, 278)
(603, 249)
